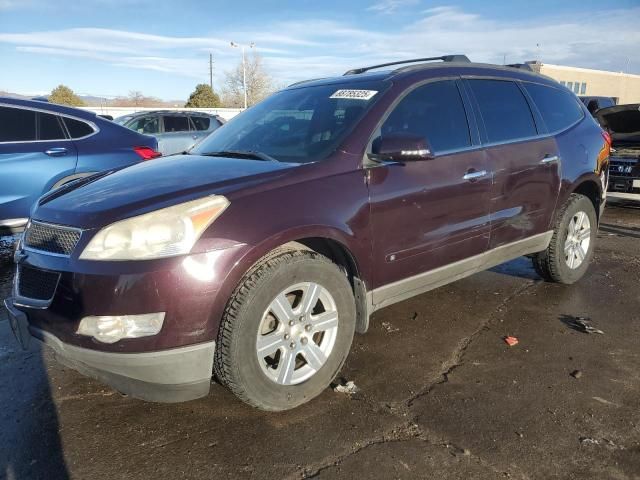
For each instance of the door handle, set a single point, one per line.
(475, 175)
(549, 159)
(195, 137)
(56, 152)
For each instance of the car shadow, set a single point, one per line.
(521, 267)
(624, 231)
(30, 444)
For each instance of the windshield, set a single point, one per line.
(299, 125)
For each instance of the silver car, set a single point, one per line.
(176, 132)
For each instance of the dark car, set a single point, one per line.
(622, 123)
(260, 253)
(175, 131)
(594, 104)
(44, 146)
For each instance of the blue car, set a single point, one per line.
(44, 146)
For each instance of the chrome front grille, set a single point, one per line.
(36, 284)
(49, 238)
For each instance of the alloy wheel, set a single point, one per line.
(297, 333)
(576, 246)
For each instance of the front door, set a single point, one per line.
(429, 213)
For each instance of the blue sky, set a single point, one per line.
(109, 47)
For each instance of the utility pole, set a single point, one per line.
(211, 70)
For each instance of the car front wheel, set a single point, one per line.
(286, 331)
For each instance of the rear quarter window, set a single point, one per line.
(77, 128)
(17, 125)
(201, 123)
(559, 109)
(504, 109)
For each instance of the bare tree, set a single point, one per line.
(259, 83)
(137, 99)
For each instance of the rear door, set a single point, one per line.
(176, 135)
(430, 213)
(35, 154)
(201, 126)
(524, 159)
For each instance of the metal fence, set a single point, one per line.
(226, 113)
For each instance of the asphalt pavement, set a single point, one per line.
(440, 393)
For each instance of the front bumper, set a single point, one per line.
(624, 187)
(173, 375)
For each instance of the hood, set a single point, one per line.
(147, 186)
(622, 122)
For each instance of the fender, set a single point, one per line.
(248, 255)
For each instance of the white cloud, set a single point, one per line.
(391, 6)
(316, 47)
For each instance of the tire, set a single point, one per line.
(262, 381)
(561, 262)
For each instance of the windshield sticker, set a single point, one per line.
(355, 94)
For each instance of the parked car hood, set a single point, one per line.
(151, 185)
(622, 122)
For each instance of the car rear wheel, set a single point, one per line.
(571, 248)
(286, 331)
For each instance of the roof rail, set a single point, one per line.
(307, 81)
(521, 66)
(444, 58)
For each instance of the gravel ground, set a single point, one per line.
(440, 394)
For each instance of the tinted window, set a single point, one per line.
(559, 109)
(146, 125)
(435, 112)
(300, 124)
(77, 129)
(17, 125)
(201, 123)
(49, 127)
(505, 112)
(176, 124)
(606, 102)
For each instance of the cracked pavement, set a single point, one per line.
(441, 395)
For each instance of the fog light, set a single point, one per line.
(110, 329)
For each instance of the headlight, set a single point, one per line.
(110, 329)
(164, 233)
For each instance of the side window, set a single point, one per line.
(558, 108)
(77, 128)
(49, 127)
(176, 123)
(505, 112)
(17, 125)
(201, 123)
(436, 112)
(147, 125)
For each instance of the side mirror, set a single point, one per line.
(400, 147)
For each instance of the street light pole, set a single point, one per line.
(244, 69)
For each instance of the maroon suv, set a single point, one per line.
(257, 255)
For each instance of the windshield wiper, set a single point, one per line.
(241, 154)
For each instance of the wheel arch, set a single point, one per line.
(591, 189)
(333, 243)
